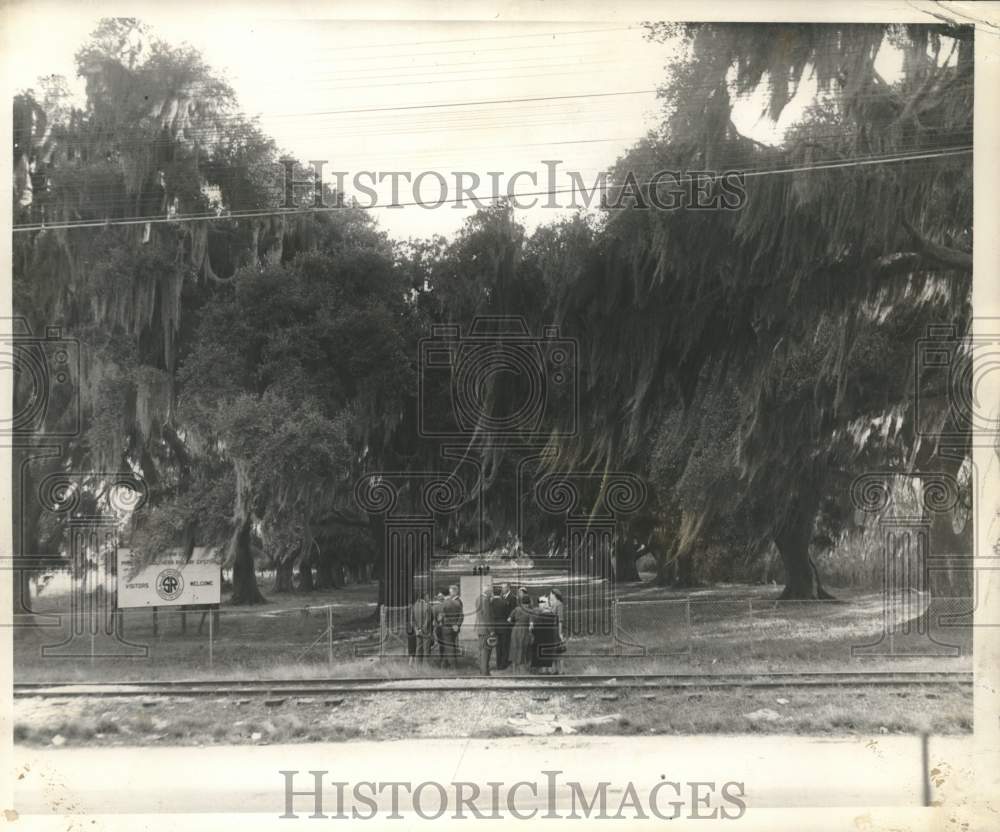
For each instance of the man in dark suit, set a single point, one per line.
(511, 601)
(422, 625)
(437, 617)
(485, 630)
(452, 616)
(499, 613)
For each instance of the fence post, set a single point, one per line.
(211, 633)
(925, 767)
(687, 619)
(615, 627)
(329, 635)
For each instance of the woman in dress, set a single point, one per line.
(520, 636)
(545, 630)
(556, 605)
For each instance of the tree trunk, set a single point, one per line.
(792, 539)
(684, 569)
(376, 525)
(626, 562)
(189, 538)
(306, 583)
(27, 517)
(28, 527)
(663, 553)
(954, 548)
(951, 581)
(283, 575)
(245, 590)
(328, 573)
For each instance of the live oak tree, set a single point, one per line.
(295, 374)
(160, 136)
(493, 269)
(745, 362)
(678, 299)
(130, 152)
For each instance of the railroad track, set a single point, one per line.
(437, 684)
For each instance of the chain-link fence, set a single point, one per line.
(347, 638)
(798, 632)
(135, 644)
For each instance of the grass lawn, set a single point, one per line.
(729, 628)
(721, 629)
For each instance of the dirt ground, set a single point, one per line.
(727, 627)
(168, 720)
(721, 629)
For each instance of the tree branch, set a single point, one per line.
(950, 258)
(336, 517)
(907, 262)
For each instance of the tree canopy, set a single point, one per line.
(746, 362)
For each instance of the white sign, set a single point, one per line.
(471, 588)
(169, 582)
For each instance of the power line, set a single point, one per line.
(372, 118)
(467, 80)
(211, 130)
(474, 50)
(422, 203)
(523, 116)
(480, 103)
(736, 162)
(726, 164)
(477, 39)
(733, 160)
(355, 73)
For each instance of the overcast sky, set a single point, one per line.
(294, 73)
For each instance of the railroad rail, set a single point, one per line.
(437, 684)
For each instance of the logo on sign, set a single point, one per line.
(169, 584)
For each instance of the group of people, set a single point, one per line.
(513, 629)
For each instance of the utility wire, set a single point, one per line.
(194, 132)
(424, 203)
(734, 163)
(477, 39)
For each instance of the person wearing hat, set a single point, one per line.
(504, 632)
(520, 635)
(422, 625)
(544, 629)
(485, 630)
(437, 617)
(499, 614)
(556, 607)
(452, 615)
